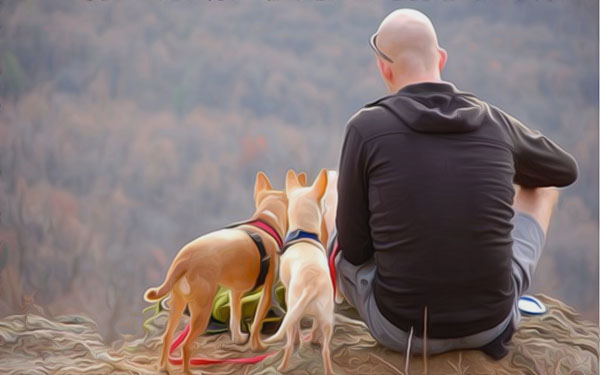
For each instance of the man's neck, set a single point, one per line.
(414, 80)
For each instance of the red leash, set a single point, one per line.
(332, 271)
(209, 361)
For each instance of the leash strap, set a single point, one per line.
(332, 270)
(196, 361)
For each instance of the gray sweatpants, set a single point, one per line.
(356, 284)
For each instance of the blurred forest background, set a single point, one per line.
(129, 128)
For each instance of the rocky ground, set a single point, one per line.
(559, 342)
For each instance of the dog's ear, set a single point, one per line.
(291, 181)
(262, 183)
(319, 187)
(302, 178)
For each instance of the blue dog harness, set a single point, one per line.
(299, 235)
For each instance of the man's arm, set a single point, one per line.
(352, 217)
(539, 162)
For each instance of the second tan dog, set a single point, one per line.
(226, 257)
(304, 270)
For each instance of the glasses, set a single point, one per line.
(372, 42)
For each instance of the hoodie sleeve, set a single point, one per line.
(539, 162)
(352, 217)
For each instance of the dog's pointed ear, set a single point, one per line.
(291, 181)
(319, 187)
(262, 183)
(302, 178)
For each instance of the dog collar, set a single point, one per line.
(298, 235)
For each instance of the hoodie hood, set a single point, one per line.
(435, 107)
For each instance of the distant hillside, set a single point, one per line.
(559, 342)
(129, 128)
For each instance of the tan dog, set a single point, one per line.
(330, 206)
(329, 211)
(227, 257)
(304, 271)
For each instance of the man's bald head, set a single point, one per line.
(407, 37)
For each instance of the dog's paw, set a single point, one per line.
(162, 367)
(257, 346)
(282, 368)
(339, 298)
(240, 339)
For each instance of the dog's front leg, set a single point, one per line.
(263, 306)
(235, 316)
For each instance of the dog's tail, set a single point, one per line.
(174, 274)
(293, 315)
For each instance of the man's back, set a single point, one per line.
(426, 187)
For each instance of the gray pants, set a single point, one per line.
(356, 284)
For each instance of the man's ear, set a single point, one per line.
(302, 178)
(386, 71)
(443, 59)
(291, 182)
(262, 183)
(319, 187)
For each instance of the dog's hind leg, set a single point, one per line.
(293, 316)
(200, 311)
(298, 334)
(177, 307)
(326, 325)
(235, 301)
(314, 333)
(291, 333)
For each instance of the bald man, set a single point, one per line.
(429, 222)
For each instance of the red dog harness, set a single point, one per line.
(267, 228)
(265, 260)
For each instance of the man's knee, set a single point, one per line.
(538, 203)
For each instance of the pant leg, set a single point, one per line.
(528, 245)
(356, 285)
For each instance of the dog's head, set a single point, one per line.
(269, 201)
(304, 202)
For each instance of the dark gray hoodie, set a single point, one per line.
(426, 188)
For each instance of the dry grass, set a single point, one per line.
(559, 342)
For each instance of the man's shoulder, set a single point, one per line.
(371, 120)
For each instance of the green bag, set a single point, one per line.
(221, 309)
